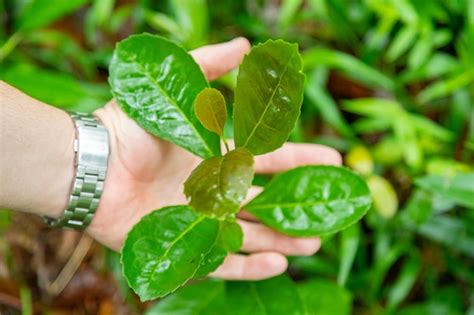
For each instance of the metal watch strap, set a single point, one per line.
(91, 148)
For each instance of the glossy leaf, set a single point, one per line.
(229, 240)
(218, 185)
(322, 297)
(275, 296)
(156, 82)
(39, 13)
(312, 200)
(230, 236)
(165, 249)
(211, 111)
(458, 188)
(202, 298)
(268, 96)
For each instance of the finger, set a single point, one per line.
(217, 60)
(292, 155)
(252, 267)
(252, 193)
(259, 238)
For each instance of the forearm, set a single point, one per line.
(37, 157)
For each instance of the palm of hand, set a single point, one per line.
(146, 173)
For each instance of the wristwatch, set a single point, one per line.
(91, 147)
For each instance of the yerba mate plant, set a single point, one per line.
(159, 85)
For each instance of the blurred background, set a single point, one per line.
(390, 83)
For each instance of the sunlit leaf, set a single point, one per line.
(312, 200)
(156, 82)
(268, 96)
(219, 184)
(165, 249)
(211, 111)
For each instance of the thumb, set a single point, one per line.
(217, 60)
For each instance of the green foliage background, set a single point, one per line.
(390, 83)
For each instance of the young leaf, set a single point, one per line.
(165, 249)
(268, 96)
(312, 200)
(218, 185)
(276, 296)
(211, 111)
(156, 82)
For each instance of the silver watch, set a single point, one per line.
(91, 148)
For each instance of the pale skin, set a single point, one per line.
(144, 172)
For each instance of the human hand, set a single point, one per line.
(146, 173)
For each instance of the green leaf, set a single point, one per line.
(219, 184)
(349, 244)
(322, 297)
(349, 65)
(458, 188)
(211, 111)
(421, 51)
(268, 96)
(230, 236)
(275, 296)
(312, 200)
(404, 283)
(229, 240)
(165, 249)
(193, 18)
(385, 200)
(454, 233)
(202, 298)
(327, 107)
(401, 43)
(446, 87)
(156, 82)
(39, 13)
(56, 88)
